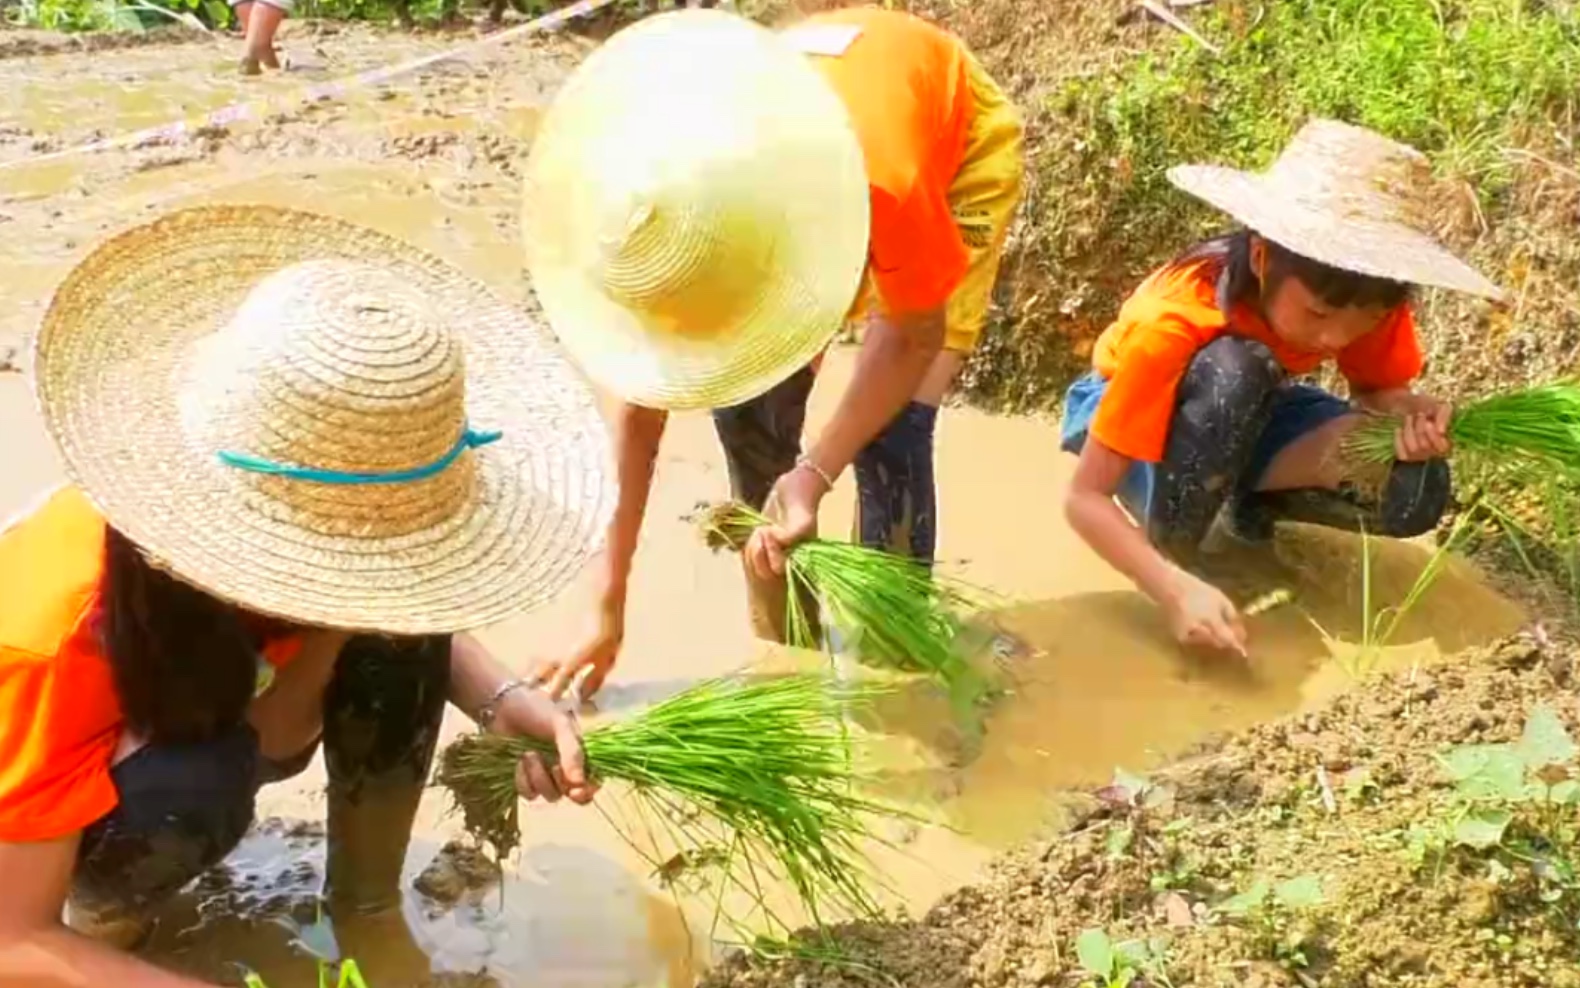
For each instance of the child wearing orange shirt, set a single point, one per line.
(1189, 411)
(285, 516)
(859, 160)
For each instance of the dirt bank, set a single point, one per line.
(1338, 794)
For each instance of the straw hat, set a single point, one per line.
(1348, 197)
(695, 212)
(322, 423)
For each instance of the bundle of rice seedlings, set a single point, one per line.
(753, 777)
(898, 612)
(1538, 425)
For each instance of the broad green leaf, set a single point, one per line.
(1486, 771)
(1566, 793)
(1095, 952)
(1483, 828)
(1135, 953)
(1299, 893)
(122, 19)
(1246, 902)
(1545, 741)
(1119, 840)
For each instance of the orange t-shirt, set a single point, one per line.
(1174, 313)
(905, 85)
(60, 718)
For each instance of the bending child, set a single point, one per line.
(1189, 412)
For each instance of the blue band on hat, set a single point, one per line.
(469, 439)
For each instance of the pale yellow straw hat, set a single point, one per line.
(320, 422)
(1348, 197)
(696, 211)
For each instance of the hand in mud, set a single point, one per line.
(1423, 435)
(1199, 614)
(792, 506)
(529, 713)
(596, 654)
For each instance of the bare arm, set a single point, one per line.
(1198, 613)
(895, 356)
(638, 432)
(475, 679)
(36, 950)
(894, 359)
(1090, 508)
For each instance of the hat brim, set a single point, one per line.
(696, 75)
(1377, 248)
(108, 362)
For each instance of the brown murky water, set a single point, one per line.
(429, 159)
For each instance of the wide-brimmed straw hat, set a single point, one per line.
(696, 211)
(1348, 197)
(322, 423)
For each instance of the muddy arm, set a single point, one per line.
(36, 950)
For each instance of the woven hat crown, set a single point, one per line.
(683, 256)
(336, 366)
(1355, 174)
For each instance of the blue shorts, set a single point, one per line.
(1297, 409)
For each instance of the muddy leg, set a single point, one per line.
(1224, 403)
(896, 498)
(1299, 474)
(381, 723)
(262, 22)
(762, 439)
(181, 810)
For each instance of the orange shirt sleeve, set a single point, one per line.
(1387, 357)
(54, 758)
(918, 257)
(1137, 407)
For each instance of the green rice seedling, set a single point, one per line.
(897, 612)
(752, 777)
(1539, 425)
(1379, 625)
(346, 975)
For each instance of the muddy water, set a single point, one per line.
(430, 160)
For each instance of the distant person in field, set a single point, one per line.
(259, 21)
(1190, 413)
(708, 203)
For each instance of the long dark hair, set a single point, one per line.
(184, 662)
(1231, 255)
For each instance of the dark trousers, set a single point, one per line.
(1234, 412)
(897, 502)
